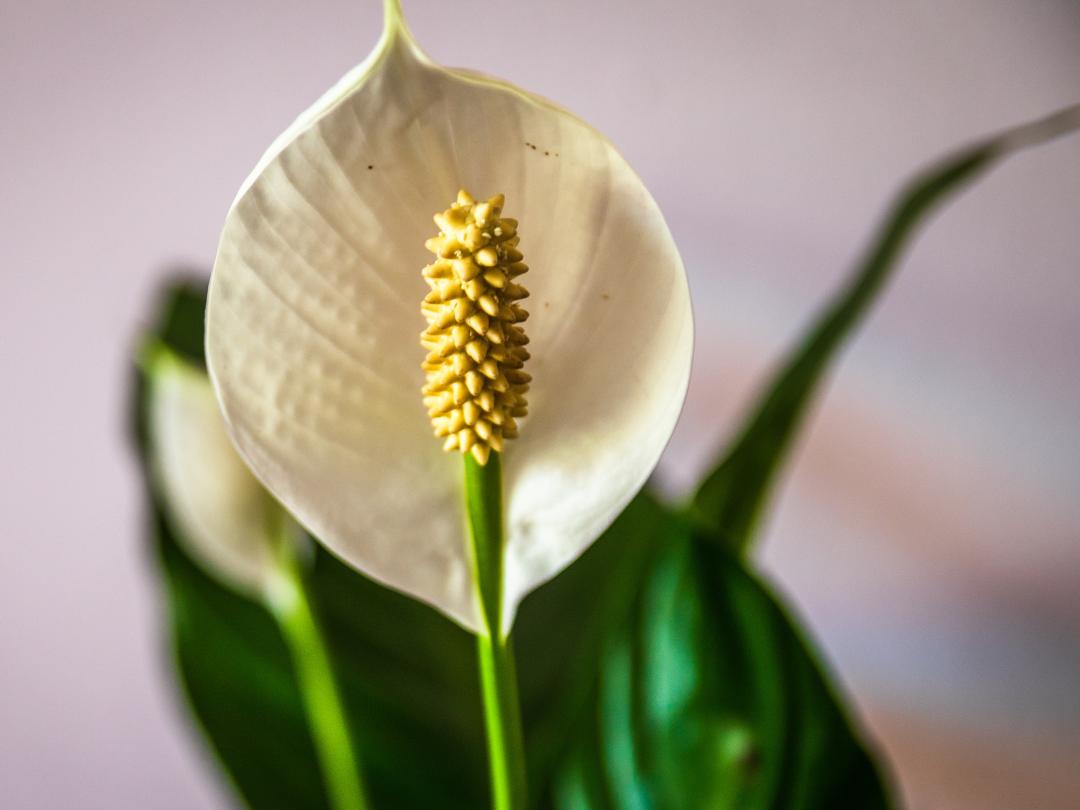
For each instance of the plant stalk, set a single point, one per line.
(495, 655)
(290, 602)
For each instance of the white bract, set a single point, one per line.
(220, 511)
(313, 323)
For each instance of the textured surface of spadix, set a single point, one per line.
(312, 323)
(219, 507)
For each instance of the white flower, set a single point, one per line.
(313, 323)
(220, 510)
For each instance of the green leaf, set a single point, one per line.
(238, 682)
(561, 631)
(652, 672)
(710, 698)
(730, 501)
(180, 321)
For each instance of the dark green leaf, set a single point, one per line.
(239, 684)
(730, 501)
(710, 698)
(180, 323)
(616, 639)
(561, 630)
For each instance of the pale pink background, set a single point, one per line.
(930, 527)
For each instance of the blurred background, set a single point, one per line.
(929, 529)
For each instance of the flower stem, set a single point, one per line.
(290, 602)
(498, 679)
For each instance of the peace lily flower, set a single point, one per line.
(314, 314)
(221, 512)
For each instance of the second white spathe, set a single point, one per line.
(219, 511)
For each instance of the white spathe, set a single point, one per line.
(314, 319)
(219, 510)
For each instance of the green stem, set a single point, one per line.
(498, 679)
(290, 603)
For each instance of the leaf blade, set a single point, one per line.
(732, 708)
(729, 503)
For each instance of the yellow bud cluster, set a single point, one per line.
(475, 386)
